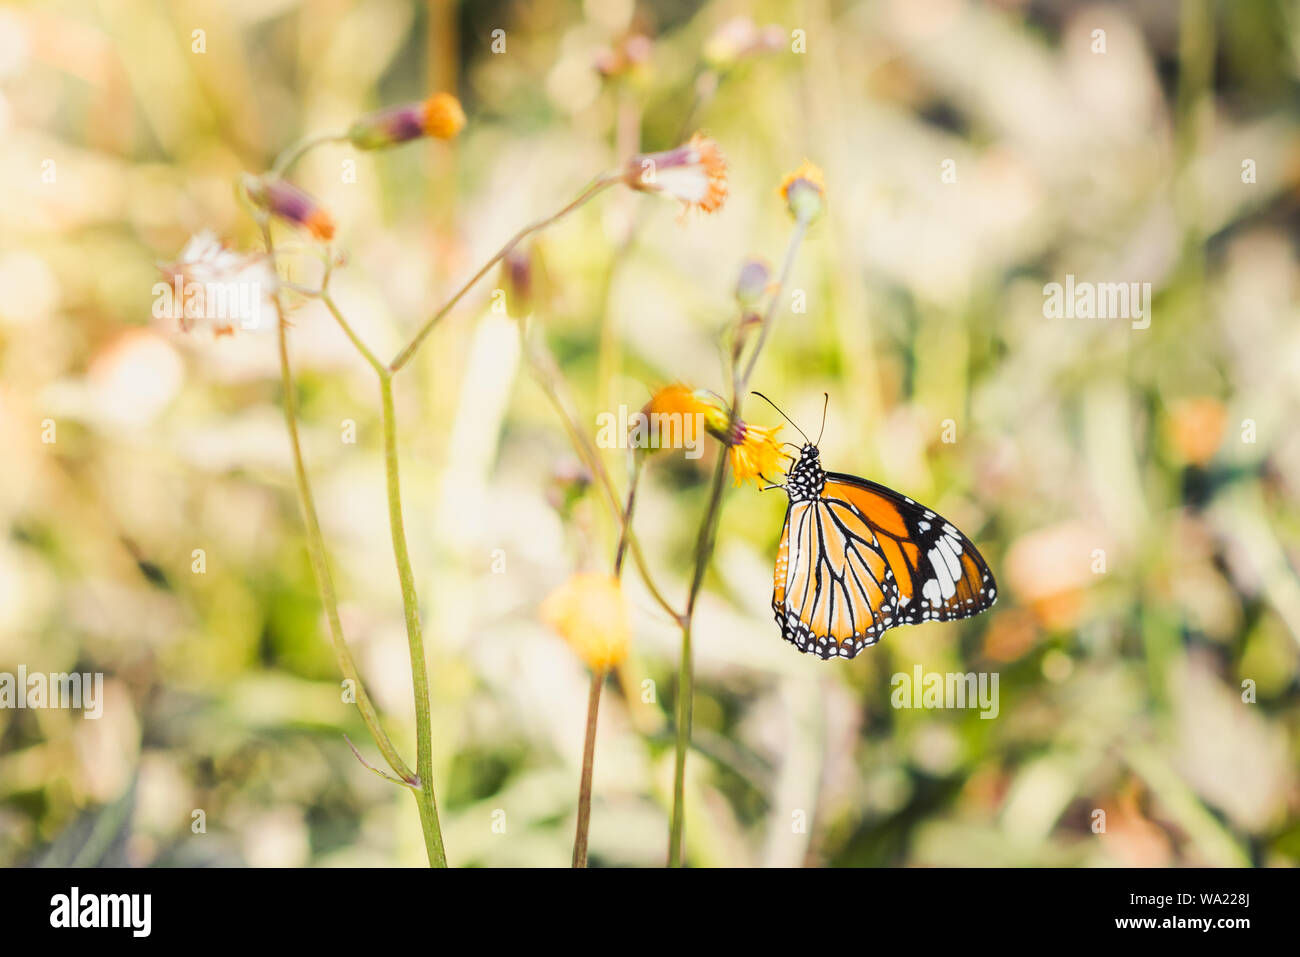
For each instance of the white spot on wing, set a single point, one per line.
(930, 591)
(942, 577)
(950, 550)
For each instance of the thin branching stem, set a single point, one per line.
(299, 149)
(414, 636)
(597, 185)
(704, 554)
(422, 779)
(588, 762)
(598, 681)
(551, 381)
(316, 544)
(371, 359)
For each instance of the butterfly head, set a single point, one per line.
(806, 477)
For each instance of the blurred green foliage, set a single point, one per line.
(1171, 449)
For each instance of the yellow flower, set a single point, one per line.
(695, 173)
(753, 450)
(683, 400)
(590, 613)
(676, 417)
(755, 453)
(804, 192)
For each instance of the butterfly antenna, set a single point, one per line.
(826, 401)
(783, 415)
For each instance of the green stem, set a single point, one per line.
(598, 681)
(296, 152)
(410, 601)
(411, 606)
(547, 374)
(316, 547)
(769, 317)
(704, 554)
(625, 525)
(371, 359)
(588, 761)
(686, 671)
(600, 183)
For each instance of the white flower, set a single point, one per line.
(216, 287)
(694, 173)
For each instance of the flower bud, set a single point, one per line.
(753, 283)
(281, 198)
(440, 116)
(517, 281)
(804, 192)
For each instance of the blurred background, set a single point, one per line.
(1136, 491)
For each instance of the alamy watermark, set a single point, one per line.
(228, 302)
(1098, 300)
(933, 689)
(61, 690)
(651, 430)
(210, 285)
(132, 912)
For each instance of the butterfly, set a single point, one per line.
(857, 558)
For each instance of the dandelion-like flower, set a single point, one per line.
(754, 452)
(213, 286)
(694, 173)
(804, 192)
(590, 613)
(288, 202)
(674, 415)
(679, 399)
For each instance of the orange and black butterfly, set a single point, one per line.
(857, 559)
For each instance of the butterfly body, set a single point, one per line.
(857, 559)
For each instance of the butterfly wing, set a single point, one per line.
(834, 590)
(862, 559)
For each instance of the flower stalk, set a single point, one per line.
(590, 610)
(597, 683)
(588, 762)
(421, 780)
(704, 553)
(316, 545)
(548, 376)
(415, 640)
(598, 185)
